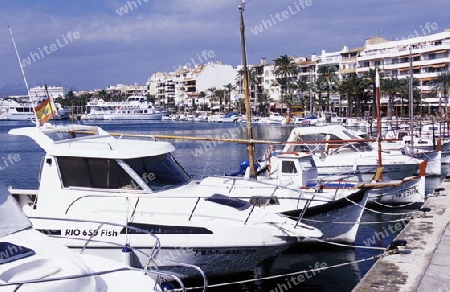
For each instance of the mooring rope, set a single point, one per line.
(375, 257)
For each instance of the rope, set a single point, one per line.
(289, 274)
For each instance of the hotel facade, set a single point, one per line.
(430, 56)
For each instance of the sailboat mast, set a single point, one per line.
(411, 100)
(247, 94)
(377, 95)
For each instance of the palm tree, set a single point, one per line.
(391, 87)
(316, 87)
(229, 88)
(301, 85)
(212, 91)
(285, 69)
(263, 102)
(354, 89)
(329, 80)
(370, 76)
(442, 85)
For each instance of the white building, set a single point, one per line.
(40, 92)
(430, 56)
(183, 86)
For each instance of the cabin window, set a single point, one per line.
(160, 172)
(288, 167)
(94, 173)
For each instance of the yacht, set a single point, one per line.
(12, 110)
(136, 107)
(89, 174)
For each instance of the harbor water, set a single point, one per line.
(20, 160)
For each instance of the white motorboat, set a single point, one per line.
(332, 156)
(273, 118)
(12, 110)
(424, 148)
(32, 261)
(134, 108)
(139, 184)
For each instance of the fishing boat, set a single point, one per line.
(135, 107)
(340, 150)
(32, 261)
(88, 173)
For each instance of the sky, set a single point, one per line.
(86, 45)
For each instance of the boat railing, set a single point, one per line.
(151, 267)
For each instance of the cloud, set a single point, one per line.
(158, 35)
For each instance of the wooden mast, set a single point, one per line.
(246, 93)
(411, 101)
(377, 94)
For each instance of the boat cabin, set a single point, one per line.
(87, 159)
(293, 168)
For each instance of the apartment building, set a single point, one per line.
(430, 55)
(40, 91)
(183, 86)
(127, 90)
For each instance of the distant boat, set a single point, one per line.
(12, 110)
(136, 107)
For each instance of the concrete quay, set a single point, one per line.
(424, 263)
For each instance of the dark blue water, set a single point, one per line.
(20, 160)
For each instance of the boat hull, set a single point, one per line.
(338, 220)
(211, 252)
(363, 172)
(132, 117)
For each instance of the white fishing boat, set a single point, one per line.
(136, 107)
(290, 187)
(339, 150)
(32, 261)
(139, 184)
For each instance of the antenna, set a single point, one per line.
(23, 74)
(18, 58)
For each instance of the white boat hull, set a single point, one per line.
(411, 191)
(215, 254)
(132, 116)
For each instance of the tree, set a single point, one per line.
(212, 91)
(391, 87)
(301, 85)
(229, 88)
(370, 76)
(285, 69)
(354, 89)
(442, 85)
(263, 102)
(329, 80)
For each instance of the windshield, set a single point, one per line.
(353, 147)
(159, 172)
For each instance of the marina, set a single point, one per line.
(346, 266)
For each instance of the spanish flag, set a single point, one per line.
(45, 110)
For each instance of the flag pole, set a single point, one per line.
(23, 75)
